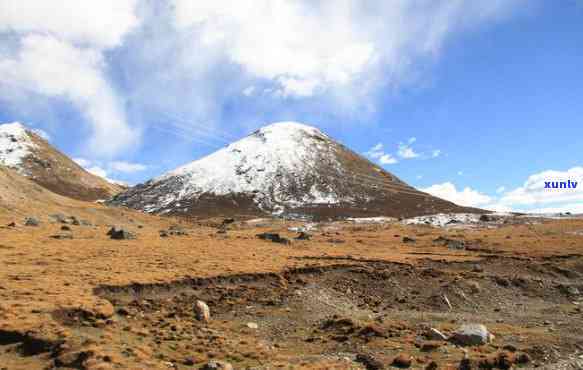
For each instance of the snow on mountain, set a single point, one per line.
(285, 168)
(15, 145)
(264, 163)
(29, 153)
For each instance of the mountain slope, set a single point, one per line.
(32, 156)
(285, 168)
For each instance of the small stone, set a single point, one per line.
(252, 325)
(432, 366)
(189, 361)
(369, 361)
(523, 358)
(202, 311)
(474, 287)
(12, 224)
(31, 221)
(120, 234)
(403, 360)
(408, 240)
(65, 228)
(62, 236)
(431, 345)
(465, 364)
(217, 365)
(471, 335)
(274, 237)
(303, 236)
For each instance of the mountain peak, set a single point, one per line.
(289, 127)
(15, 144)
(26, 152)
(282, 168)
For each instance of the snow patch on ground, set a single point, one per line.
(15, 144)
(372, 220)
(444, 219)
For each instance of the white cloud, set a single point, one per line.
(248, 91)
(344, 51)
(82, 162)
(102, 23)
(466, 197)
(531, 197)
(435, 153)
(96, 168)
(357, 45)
(405, 151)
(58, 53)
(97, 171)
(533, 192)
(127, 167)
(460, 173)
(51, 67)
(387, 159)
(377, 152)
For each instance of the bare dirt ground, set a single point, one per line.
(354, 296)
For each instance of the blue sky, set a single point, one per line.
(475, 101)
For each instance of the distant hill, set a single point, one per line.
(287, 169)
(32, 156)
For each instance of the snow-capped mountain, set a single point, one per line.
(32, 156)
(284, 168)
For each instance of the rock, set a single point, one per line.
(431, 345)
(216, 365)
(523, 358)
(434, 334)
(474, 287)
(372, 330)
(487, 218)
(202, 311)
(65, 228)
(450, 243)
(58, 217)
(369, 361)
(335, 241)
(471, 335)
(303, 236)
(173, 230)
(31, 221)
(432, 366)
(408, 240)
(120, 234)
(12, 224)
(189, 361)
(274, 237)
(228, 221)
(252, 325)
(465, 364)
(62, 236)
(403, 360)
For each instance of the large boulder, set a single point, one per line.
(471, 335)
(202, 311)
(120, 234)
